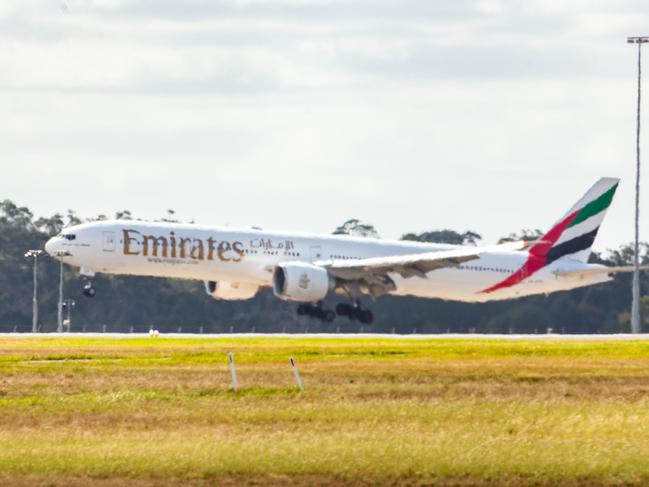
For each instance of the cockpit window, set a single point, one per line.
(69, 236)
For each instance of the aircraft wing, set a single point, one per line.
(411, 264)
(598, 270)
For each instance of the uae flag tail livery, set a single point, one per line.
(571, 237)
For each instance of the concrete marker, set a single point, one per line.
(233, 371)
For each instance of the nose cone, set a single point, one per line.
(50, 246)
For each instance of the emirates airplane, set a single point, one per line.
(236, 263)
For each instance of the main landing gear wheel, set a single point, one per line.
(89, 290)
(317, 312)
(355, 312)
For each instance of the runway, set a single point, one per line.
(330, 336)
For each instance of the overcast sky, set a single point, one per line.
(411, 115)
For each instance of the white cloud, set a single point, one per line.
(484, 115)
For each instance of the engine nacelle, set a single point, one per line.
(231, 291)
(299, 281)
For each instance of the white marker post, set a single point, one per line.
(233, 371)
(297, 375)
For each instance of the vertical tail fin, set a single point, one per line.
(571, 236)
(575, 233)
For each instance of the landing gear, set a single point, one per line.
(355, 312)
(316, 311)
(88, 289)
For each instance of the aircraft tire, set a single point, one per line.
(319, 313)
(343, 309)
(328, 316)
(366, 317)
(354, 313)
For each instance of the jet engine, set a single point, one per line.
(231, 291)
(299, 281)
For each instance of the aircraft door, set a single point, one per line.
(109, 241)
(316, 253)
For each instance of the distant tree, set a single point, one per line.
(444, 236)
(525, 234)
(624, 255)
(356, 228)
(52, 225)
(15, 215)
(123, 215)
(624, 318)
(73, 219)
(98, 218)
(526, 316)
(171, 217)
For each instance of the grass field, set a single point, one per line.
(159, 411)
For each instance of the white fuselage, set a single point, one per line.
(188, 251)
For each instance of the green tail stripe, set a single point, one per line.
(594, 207)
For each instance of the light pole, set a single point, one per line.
(34, 254)
(59, 324)
(68, 304)
(59, 315)
(635, 304)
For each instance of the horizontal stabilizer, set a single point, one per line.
(598, 270)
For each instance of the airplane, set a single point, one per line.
(235, 263)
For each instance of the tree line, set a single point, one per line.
(131, 303)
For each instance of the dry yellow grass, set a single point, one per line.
(391, 412)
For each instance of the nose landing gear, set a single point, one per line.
(88, 289)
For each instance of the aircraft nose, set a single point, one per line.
(50, 246)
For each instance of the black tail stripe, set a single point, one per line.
(582, 242)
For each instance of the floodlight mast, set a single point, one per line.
(69, 304)
(59, 315)
(635, 303)
(59, 323)
(34, 255)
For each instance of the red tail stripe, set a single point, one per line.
(548, 240)
(537, 256)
